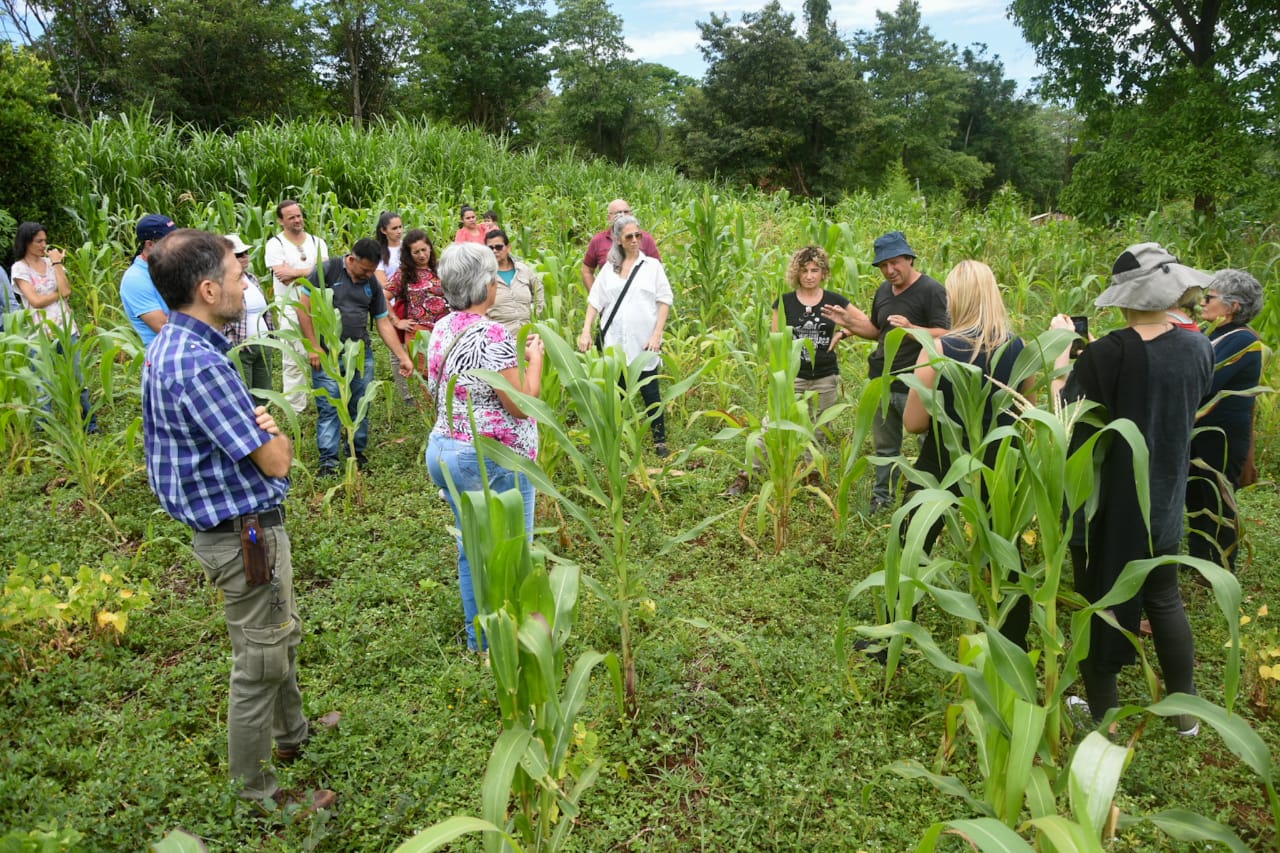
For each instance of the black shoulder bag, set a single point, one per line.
(616, 303)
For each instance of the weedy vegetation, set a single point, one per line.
(732, 710)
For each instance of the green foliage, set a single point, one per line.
(784, 442)
(1174, 107)
(543, 758)
(775, 110)
(608, 104)
(33, 165)
(485, 65)
(96, 599)
(920, 88)
(236, 62)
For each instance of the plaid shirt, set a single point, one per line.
(198, 429)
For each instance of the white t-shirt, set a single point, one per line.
(255, 307)
(637, 315)
(280, 250)
(44, 283)
(392, 263)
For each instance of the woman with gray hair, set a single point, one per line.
(1224, 434)
(633, 297)
(461, 343)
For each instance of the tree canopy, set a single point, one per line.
(1177, 94)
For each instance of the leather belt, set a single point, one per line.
(267, 518)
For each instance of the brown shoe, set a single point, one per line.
(325, 723)
(303, 804)
(739, 485)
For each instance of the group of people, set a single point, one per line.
(1191, 396)
(218, 462)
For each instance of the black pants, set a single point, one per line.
(651, 393)
(1170, 632)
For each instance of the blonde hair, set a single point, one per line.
(802, 258)
(977, 310)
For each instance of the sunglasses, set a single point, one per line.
(242, 254)
(1209, 297)
(497, 246)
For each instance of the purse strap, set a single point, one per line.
(617, 303)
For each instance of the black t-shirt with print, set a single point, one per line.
(807, 322)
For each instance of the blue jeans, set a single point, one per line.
(460, 458)
(886, 435)
(328, 426)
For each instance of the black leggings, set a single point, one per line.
(1170, 632)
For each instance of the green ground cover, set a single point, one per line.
(752, 733)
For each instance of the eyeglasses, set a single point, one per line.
(497, 247)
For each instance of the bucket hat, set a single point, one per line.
(1147, 277)
(891, 245)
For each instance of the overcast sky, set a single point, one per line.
(666, 31)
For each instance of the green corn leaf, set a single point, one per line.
(1093, 777)
(1186, 826)
(447, 831)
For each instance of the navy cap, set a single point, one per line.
(153, 226)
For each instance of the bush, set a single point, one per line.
(33, 182)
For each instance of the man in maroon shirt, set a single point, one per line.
(600, 244)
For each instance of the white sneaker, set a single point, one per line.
(1191, 732)
(1078, 705)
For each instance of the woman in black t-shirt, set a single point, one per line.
(802, 311)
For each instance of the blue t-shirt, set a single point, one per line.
(139, 296)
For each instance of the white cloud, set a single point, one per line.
(660, 44)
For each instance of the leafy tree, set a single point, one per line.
(482, 62)
(1160, 78)
(82, 41)
(608, 104)
(775, 109)
(920, 91)
(363, 42)
(32, 163)
(1004, 130)
(219, 63)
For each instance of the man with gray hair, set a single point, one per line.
(600, 244)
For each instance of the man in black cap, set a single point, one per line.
(142, 303)
(906, 299)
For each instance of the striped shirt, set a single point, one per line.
(199, 428)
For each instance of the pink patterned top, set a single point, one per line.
(482, 345)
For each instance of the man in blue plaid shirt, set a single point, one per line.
(221, 465)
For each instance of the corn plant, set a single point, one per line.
(1010, 699)
(783, 443)
(55, 374)
(542, 759)
(604, 459)
(339, 359)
